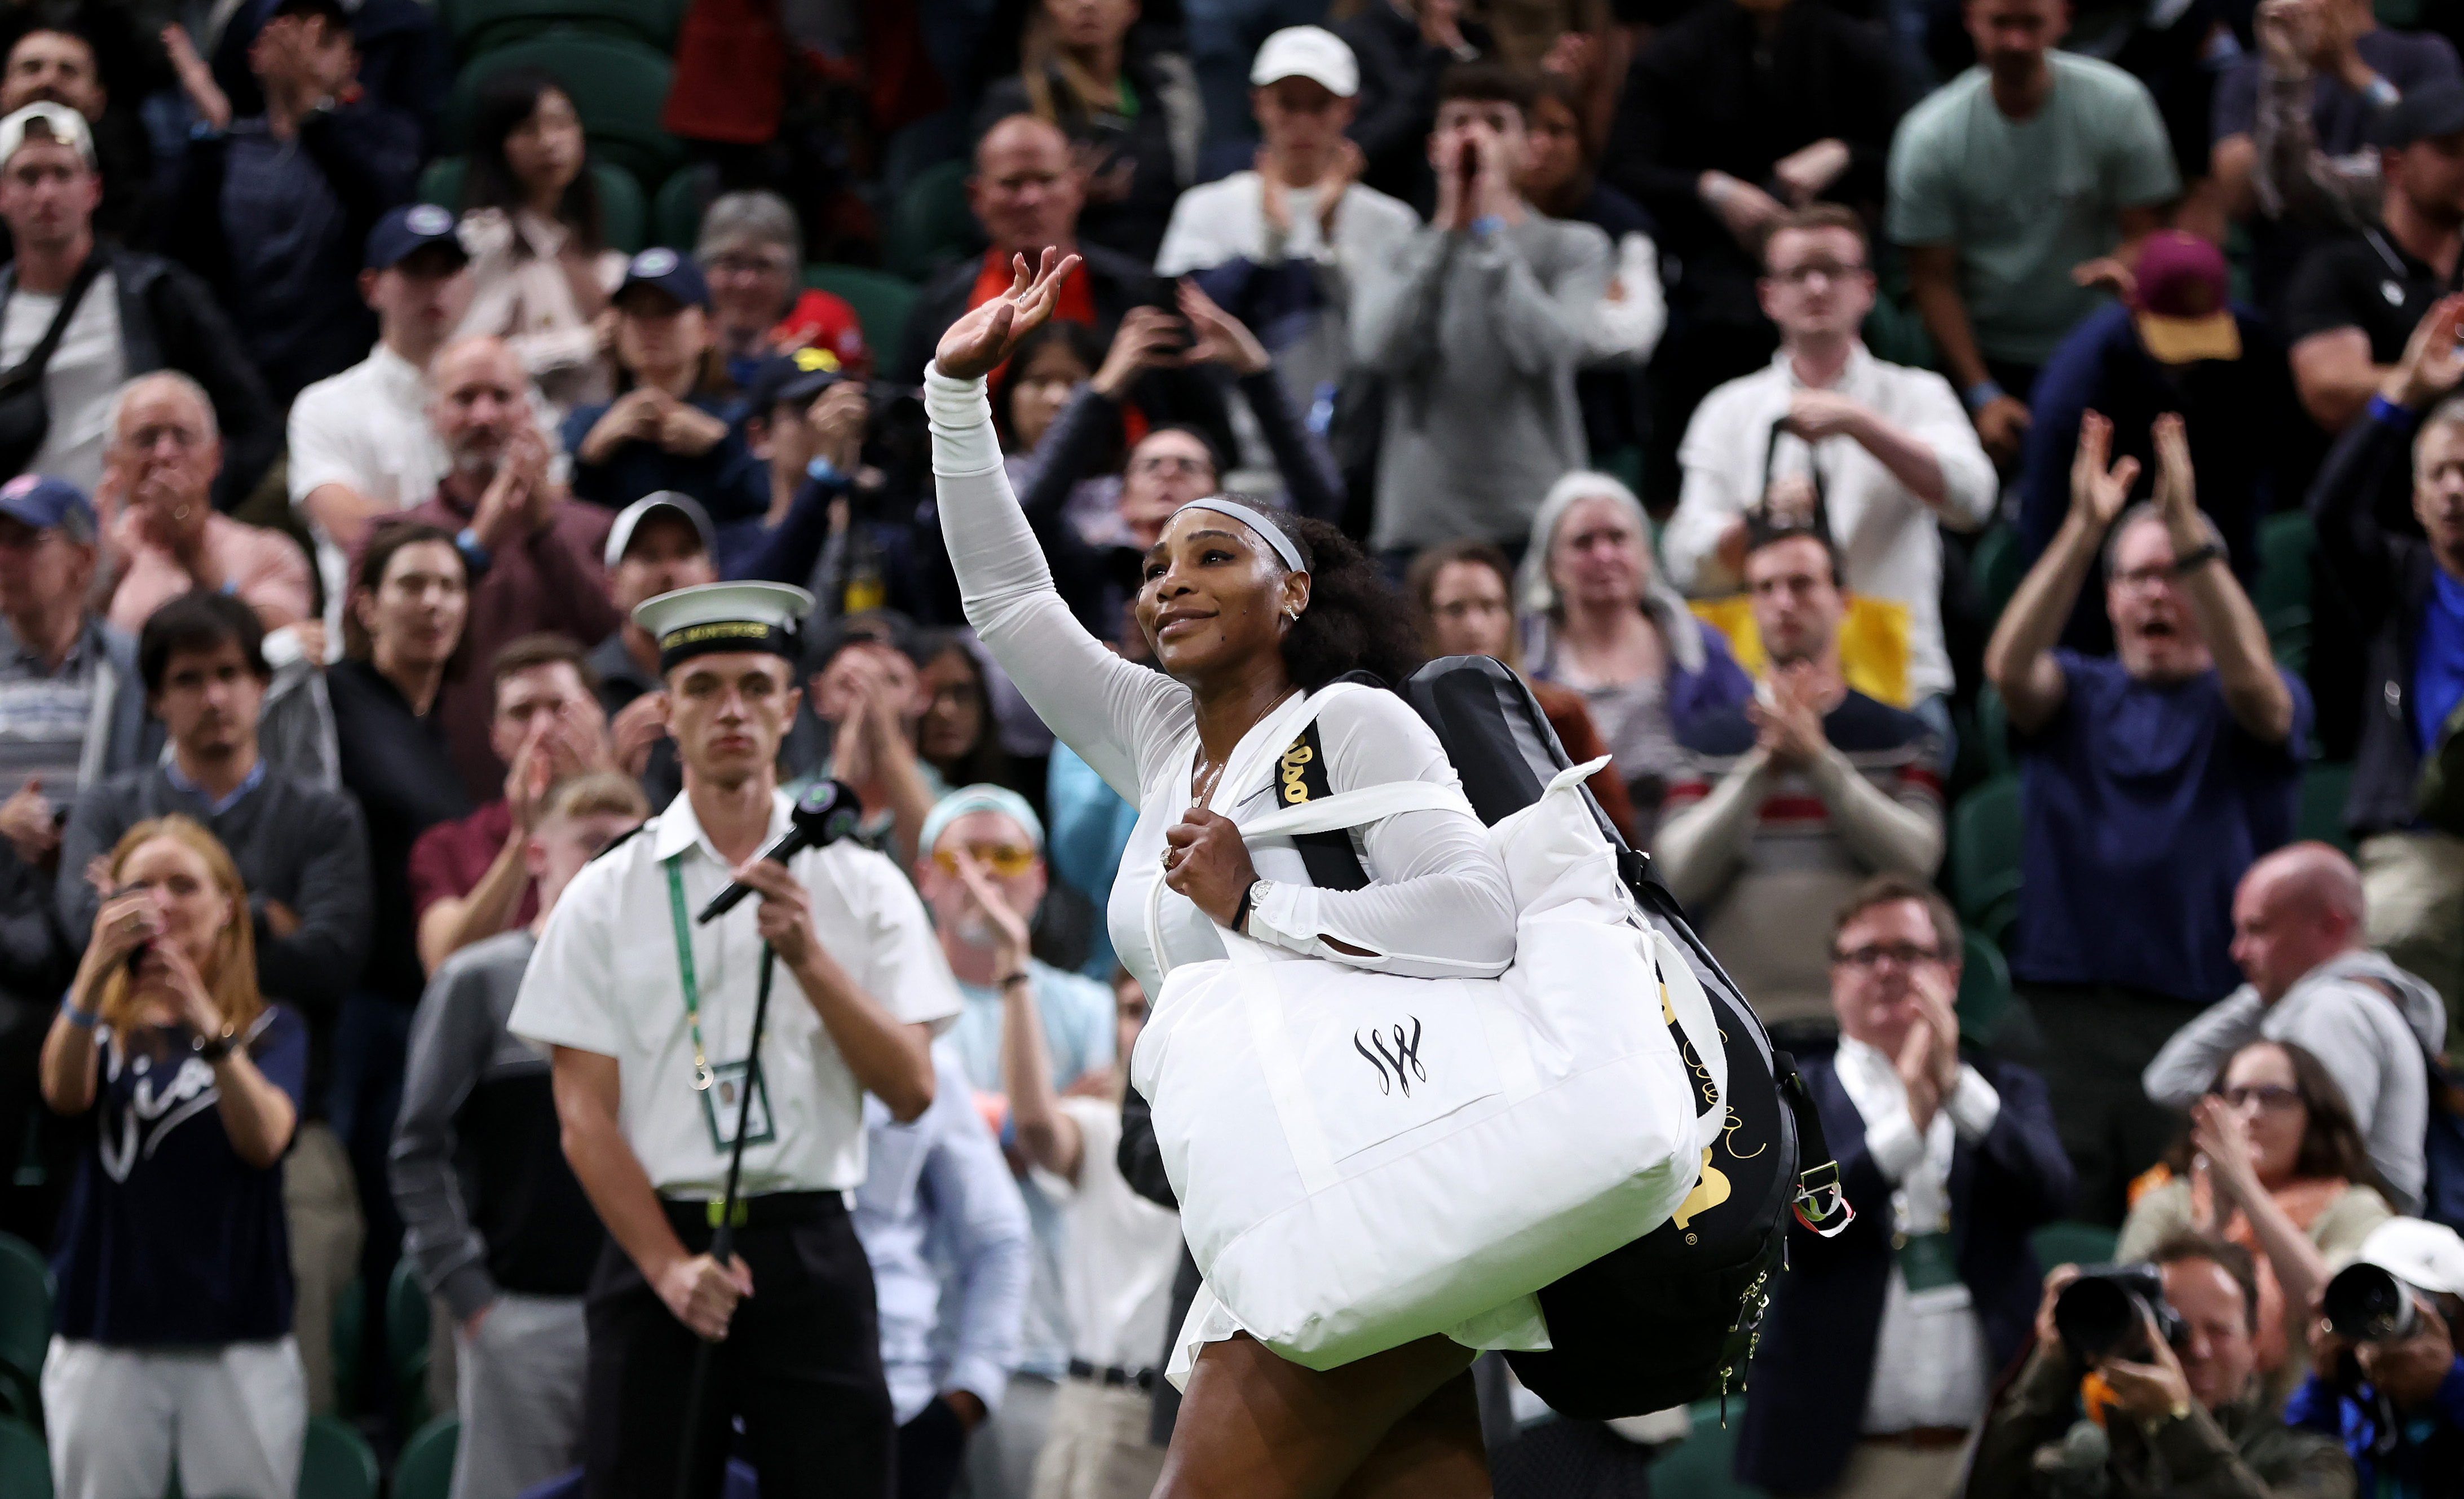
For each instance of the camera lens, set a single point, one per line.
(2369, 1305)
(2095, 1315)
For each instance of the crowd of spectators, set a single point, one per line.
(1848, 419)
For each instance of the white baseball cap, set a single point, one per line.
(2424, 1254)
(59, 123)
(1308, 52)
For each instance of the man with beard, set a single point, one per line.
(2152, 781)
(533, 552)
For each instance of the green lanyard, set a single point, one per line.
(685, 971)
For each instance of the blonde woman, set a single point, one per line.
(172, 1346)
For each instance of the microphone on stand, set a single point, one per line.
(826, 813)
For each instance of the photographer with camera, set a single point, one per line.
(2164, 1347)
(2386, 1378)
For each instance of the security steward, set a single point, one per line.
(648, 1017)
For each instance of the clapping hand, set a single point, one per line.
(1149, 338)
(1808, 170)
(1788, 718)
(1010, 927)
(25, 821)
(1217, 337)
(2432, 364)
(2221, 1136)
(2099, 493)
(980, 341)
(1928, 1060)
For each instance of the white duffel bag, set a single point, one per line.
(1363, 1159)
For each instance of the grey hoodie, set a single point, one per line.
(2370, 1042)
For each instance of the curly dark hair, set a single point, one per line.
(1354, 622)
(2332, 1143)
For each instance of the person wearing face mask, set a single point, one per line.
(1478, 324)
(2178, 1417)
(1167, 467)
(2151, 781)
(1878, 1349)
(2409, 592)
(1248, 613)
(2273, 1161)
(996, 829)
(173, 1352)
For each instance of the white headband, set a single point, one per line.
(1256, 520)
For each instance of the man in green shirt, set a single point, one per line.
(2020, 189)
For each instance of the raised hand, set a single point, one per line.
(2098, 493)
(2177, 489)
(2433, 365)
(980, 341)
(1217, 337)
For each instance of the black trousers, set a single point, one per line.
(800, 1365)
(2092, 1042)
(931, 1449)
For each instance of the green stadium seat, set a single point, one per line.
(619, 197)
(424, 1470)
(350, 1318)
(2324, 787)
(1985, 857)
(1983, 989)
(406, 1328)
(931, 225)
(675, 213)
(619, 86)
(2283, 593)
(338, 1463)
(25, 1328)
(1997, 567)
(881, 301)
(2074, 1244)
(1993, 731)
(478, 26)
(1704, 1464)
(25, 1465)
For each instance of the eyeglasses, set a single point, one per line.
(1828, 270)
(2141, 577)
(1008, 860)
(1908, 955)
(1171, 463)
(2270, 1098)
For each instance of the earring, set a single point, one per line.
(1294, 616)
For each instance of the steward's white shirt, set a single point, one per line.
(1888, 538)
(605, 980)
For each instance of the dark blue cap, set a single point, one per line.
(49, 504)
(795, 376)
(404, 231)
(2425, 111)
(670, 272)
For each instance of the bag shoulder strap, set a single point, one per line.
(40, 355)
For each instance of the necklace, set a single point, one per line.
(1201, 786)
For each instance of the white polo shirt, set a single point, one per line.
(605, 980)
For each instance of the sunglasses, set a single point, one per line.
(1008, 860)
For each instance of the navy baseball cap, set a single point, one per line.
(670, 272)
(49, 504)
(2425, 111)
(403, 232)
(796, 377)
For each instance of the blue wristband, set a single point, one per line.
(822, 471)
(466, 542)
(2387, 412)
(1980, 395)
(1487, 225)
(82, 1019)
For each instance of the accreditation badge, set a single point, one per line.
(1927, 1261)
(722, 1104)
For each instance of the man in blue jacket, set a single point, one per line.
(2409, 593)
(1880, 1347)
(2398, 1403)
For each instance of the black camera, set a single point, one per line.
(2097, 1314)
(2366, 1304)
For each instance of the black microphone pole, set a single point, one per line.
(722, 1238)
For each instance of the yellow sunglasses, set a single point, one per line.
(1007, 860)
